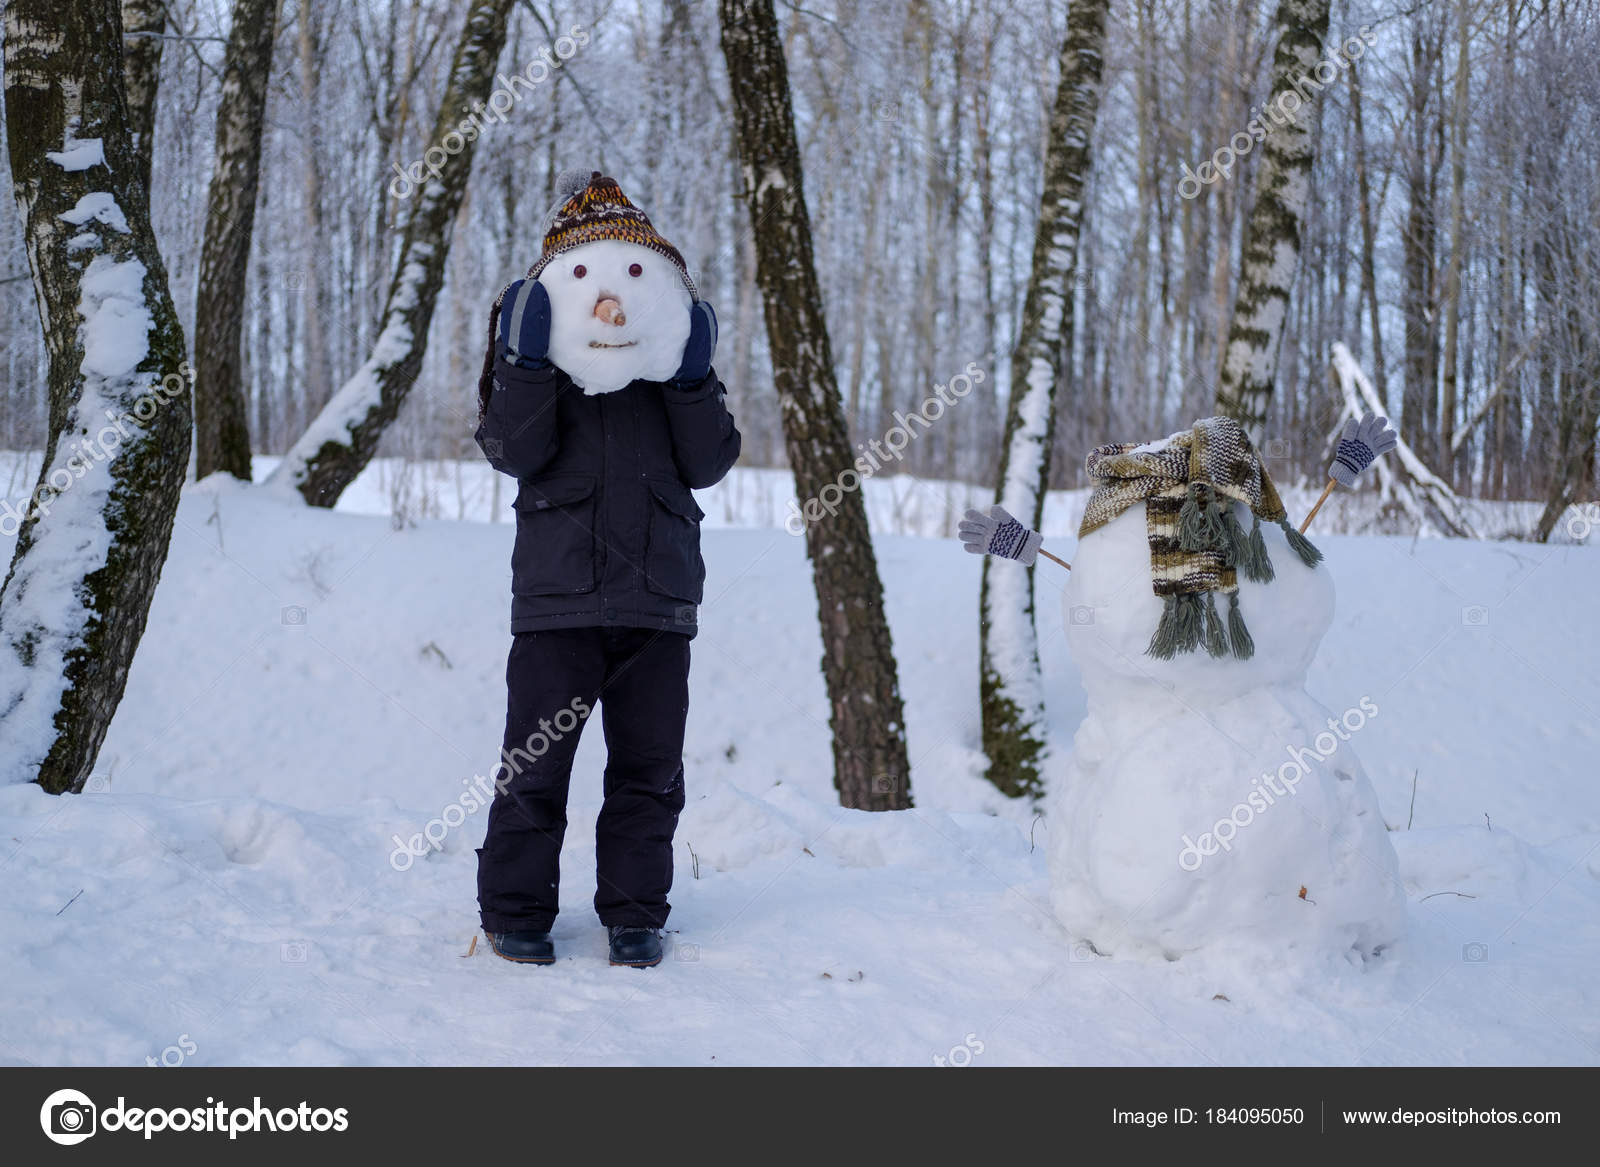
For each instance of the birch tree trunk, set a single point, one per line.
(1270, 250)
(1010, 685)
(221, 420)
(344, 436)
(870, 767)
(93, 535)
(143, 24)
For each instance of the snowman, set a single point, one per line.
(1210, 800)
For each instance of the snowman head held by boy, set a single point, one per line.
(621, 297)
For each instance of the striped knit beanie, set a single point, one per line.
(589, 207)
(593, 208)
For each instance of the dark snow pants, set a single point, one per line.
(639, 678)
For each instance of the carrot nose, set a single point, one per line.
(610, 311)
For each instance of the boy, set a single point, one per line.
(606, 570)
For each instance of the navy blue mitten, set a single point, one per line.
(525, 325)
(700, 347)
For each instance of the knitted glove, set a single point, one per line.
(698, 349)
(997, 533)
(525, 325)
(1360, 443)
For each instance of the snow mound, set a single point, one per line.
(253, 867)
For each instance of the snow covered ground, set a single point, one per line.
(315, 684)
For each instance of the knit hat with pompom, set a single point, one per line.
(590, 207)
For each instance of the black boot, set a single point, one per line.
(523, 947)
(635, 947)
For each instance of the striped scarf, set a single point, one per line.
(1189, 483)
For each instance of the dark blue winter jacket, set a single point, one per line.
(608, 533)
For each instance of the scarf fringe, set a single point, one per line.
(1216, 637)
(1181, 626)
(1243, 646)
(1192, 519)
(1206, 523)
(1254, 562)
(1303, 547)
(1191, 620)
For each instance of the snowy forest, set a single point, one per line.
(1452, 204)
(978, 268)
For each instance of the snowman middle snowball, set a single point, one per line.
(650, 298)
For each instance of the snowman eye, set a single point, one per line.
(635, 270)
(579, 272)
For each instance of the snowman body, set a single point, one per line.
(1213, 801)
(619, 313)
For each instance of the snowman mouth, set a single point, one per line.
(603, 344)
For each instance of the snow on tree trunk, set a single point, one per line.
(342, 438)
(1270, 251)
(144, 23)
(870, 767)
(93, 536)
(1011, 687)
(221, 416)
(1405, 483)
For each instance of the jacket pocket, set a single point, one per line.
(672, 563)
(555, 550)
